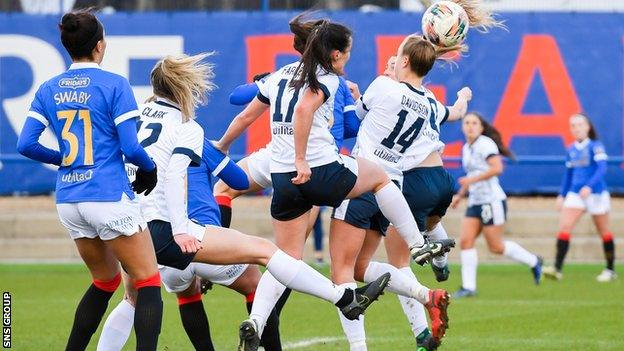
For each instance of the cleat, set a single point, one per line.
(431, 249)
(551, 272)
(607, 275)
(537, 271)
(437, 308)
(426, 342)
(441, 273)
(464, 293)
(364, 297)
(205, 285)
(248, 335)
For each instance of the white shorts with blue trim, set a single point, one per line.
(594, 204)
(176, 280)
(259, 166)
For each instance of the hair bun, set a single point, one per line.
(69, 23)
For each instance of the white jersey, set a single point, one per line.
(474, 160)
(400, 126)
(283, 99)
(163, 135)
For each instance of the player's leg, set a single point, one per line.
(345, 242)
(118, 324)
(600, 217)
(390, 201)
(470, 229)
(398, 256)
(193, 315)
(573, 209)
(494, 238)
(436, 301)
(104, 269)
(316, 223)
(137, 255)
(224, 194)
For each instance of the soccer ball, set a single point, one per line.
(445, 23)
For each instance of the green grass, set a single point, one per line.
(509, 314)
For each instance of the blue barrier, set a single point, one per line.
(527, 80)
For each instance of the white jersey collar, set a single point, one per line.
(582, 144)
(167, 102)
(81, 65)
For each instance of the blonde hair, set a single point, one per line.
(185, 80)
(479, 17)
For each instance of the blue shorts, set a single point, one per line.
(429, 192)
(168, 252)
(362, 212)
(494, 213)
(328, 186)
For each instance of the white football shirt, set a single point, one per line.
(163, 135)
(474, 161)
(400, 125)
(277, 92)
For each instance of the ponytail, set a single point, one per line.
(184, 80)
(325, 38)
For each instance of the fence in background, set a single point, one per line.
(527, 80)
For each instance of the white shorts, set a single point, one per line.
(176, 280)
(595, 204)
(106, 220)
(259, 165)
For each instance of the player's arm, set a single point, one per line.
(600, 157)
(460, 107)
(373, 95)
(304, 112)
(243, 94)
(350, 118)
(29, 146)
(130, 146)
(220, 165)
(241, 122)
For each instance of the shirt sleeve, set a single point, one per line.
(29, 146)
(220, 165)
(599, 151)
(243, 94)
(443, 112)
(124, 104)
(489, 148)
(263, 89)
(37, 109)
(373, 95)
(190, 142)
(351, 120)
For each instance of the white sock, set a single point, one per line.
(268, 291)
(439, 233)
(393, 205)
(519, 253)
(117, 328)
(297, 275)
(400, 283)
(353, 329)
(469, 262)
(414, 310)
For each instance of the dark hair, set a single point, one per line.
(325, 38)
(302, 29)
(422, 54)
(80, 33)
(592, 134)
(492, 133)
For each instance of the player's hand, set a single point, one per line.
(145, 181)
(465, 93)
(464, 181)
(303, 172)
(585, 192)
(354, 89)
(456, 200)
(188, 243)
(559, 202)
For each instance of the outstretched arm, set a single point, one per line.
(460, 107)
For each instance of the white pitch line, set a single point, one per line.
(309, 342)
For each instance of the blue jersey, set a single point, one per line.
(83, 106)
(586, 163)
(202, 207)
(346, 121)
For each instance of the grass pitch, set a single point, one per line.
(510, 313)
